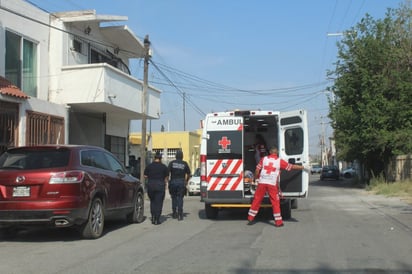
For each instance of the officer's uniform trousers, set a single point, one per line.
(177, 190)
(156, 193)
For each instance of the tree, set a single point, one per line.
(371, 106)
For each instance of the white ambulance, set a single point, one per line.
(228, 152)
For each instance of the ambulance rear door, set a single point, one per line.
(294, 148)
(224, 164)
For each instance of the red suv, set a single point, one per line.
(66, 185)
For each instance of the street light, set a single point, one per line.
(335, 34)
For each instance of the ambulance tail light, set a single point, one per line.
(203, 168)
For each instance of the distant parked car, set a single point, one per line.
(315, 169)
(66, 185)
(348, 172)
(329, 172)
(193, 187)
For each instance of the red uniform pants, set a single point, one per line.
(273, 192)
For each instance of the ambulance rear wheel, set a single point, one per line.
(286, 209)
(211, 212)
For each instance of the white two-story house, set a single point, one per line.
(65, 78)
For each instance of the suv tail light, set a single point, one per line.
(67, 177)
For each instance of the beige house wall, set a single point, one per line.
(168, 143)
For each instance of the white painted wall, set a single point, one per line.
(116, 126)
(36, 32)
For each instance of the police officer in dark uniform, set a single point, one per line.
(157, 177)
(179, 176)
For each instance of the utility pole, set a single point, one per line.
(323, 144)
(147, 56)
(184, 111)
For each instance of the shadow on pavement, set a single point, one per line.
(344, 183)
(50, 234)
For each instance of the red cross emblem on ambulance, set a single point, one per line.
(224, 143)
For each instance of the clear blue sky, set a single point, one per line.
(237, 54)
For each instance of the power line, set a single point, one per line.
(209, 85)
(289, 91)
(180, 92)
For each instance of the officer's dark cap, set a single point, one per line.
(158, 155)
(179, 154)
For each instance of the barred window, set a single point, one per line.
(171, 153)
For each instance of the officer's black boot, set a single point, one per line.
(152, 219)
(180, 217)
(157, 220)
(174, 215)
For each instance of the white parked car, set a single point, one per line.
(316, 169)
(193, 187)
(348, 172)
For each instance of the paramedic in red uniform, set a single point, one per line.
(268, 171)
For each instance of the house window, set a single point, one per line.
(117, 146)
(77, 46)
(21, 63)
(44, 129)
